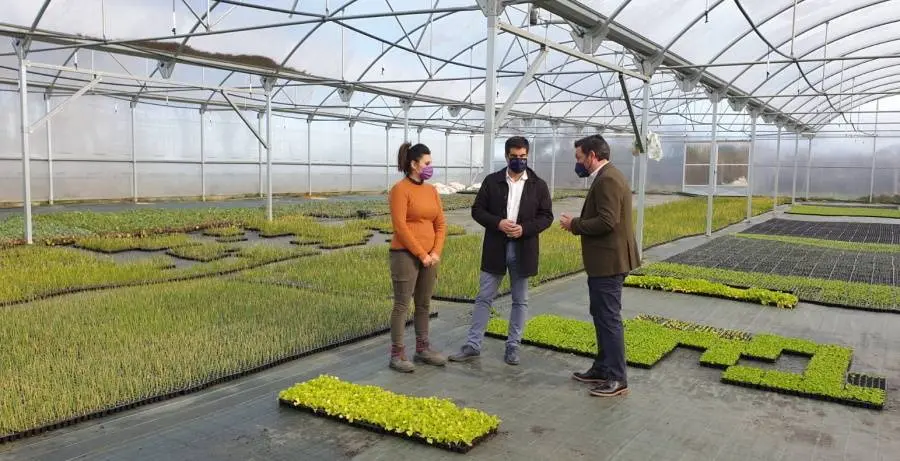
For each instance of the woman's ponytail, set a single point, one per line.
(403, 158)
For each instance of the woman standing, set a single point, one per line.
(419, 232)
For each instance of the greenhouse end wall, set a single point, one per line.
(92, 156)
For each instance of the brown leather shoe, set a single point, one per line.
(610, 389)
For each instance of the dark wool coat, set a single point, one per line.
(535, 216)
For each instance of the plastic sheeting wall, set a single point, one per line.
(841, 167)
(92, 156)
(92, 152)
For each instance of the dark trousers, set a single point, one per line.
(606, 309)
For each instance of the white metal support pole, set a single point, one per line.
(874, 151)
(202, 153)
(387, 157)
(471, 158)
(777, 168)
(754, 114)
(418, 135)
(492, 10)
(269, 85)
(715, 97)
(633, 173)
(309, 155)
(555, 125)
(352, 122)
(406, 104)
(406, 125)
(259, 152)
(21, 48)
(49, 148)
(642, 182)
(796, 157)
(808, 167)
(134, 173)
(447, 157)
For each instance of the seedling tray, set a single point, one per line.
(454, 447)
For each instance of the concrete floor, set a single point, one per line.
(676, 411)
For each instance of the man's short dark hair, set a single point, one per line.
(594, 144)
(516, 142)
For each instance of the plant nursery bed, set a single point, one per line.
(790, 259)
(709, 289)
(841, 231)
(849, 295)
(427, 420)
(838, 210)
(649, 339)
(77, 271)
(184, 367)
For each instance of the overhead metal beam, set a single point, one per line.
(223, 63)
(520, 87)
(46, 118)
(244, 119)
(135, 78)
(780, 61)
(578, 13)
(513, 30)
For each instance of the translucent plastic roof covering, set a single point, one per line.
(813, 64)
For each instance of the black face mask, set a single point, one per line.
(581, 170)
(518, 165)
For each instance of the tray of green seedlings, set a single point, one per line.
(204, 252)
(701, 287)
(153, 243)
(308, 231)
(649, 339)
(227, 234)
(852, 295)
(429, 420)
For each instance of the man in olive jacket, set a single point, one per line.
(609, 251)
(514, 206)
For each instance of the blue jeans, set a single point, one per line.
(489, 285)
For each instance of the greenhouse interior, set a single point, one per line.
(197, 204)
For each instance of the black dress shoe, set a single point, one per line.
(610, 389)
(590, 376)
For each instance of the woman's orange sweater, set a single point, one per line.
(418, 218)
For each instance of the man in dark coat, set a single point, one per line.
(514, 206)
(609, 251)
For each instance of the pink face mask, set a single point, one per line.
(426, 173)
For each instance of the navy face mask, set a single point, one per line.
(581, 170)
(517, 165)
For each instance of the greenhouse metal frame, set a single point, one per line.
(566, 68)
